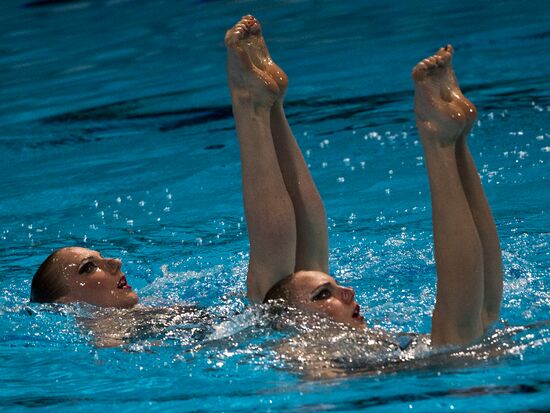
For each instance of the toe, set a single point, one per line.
(419, 72)
(421, 66)
(230, 37)
(445, 53)
(446, 57)
(251, 23)
(255, 28)
(242, 27)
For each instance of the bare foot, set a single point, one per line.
(259, 54)
(443, 114)
(247, 80)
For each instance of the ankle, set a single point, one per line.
(278, 106)
(437, 143)
(462, 142)
(243, 99)
(436, 149)
(250, 109)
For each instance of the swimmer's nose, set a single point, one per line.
(348, 294)
(114, 265)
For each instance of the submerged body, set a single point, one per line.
(148, 326)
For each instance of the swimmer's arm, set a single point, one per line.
(268, 208)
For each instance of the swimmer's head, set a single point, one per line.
(317, 292)
(78, 274)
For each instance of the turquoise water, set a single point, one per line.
(117, 135)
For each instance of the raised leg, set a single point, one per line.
(479, 206)
(268, 207)
(311, 226)
(486, 228)
(311, 222)
(442, 120)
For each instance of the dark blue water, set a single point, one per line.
(117, 135)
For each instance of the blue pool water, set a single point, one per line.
(117, 135)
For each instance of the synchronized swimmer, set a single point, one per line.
(286, 218)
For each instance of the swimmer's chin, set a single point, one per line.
(134, 297)
(358, 322)
(129, 300)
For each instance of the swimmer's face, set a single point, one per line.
(93, 279)
(319, 293)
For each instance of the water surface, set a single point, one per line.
(117, 135)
